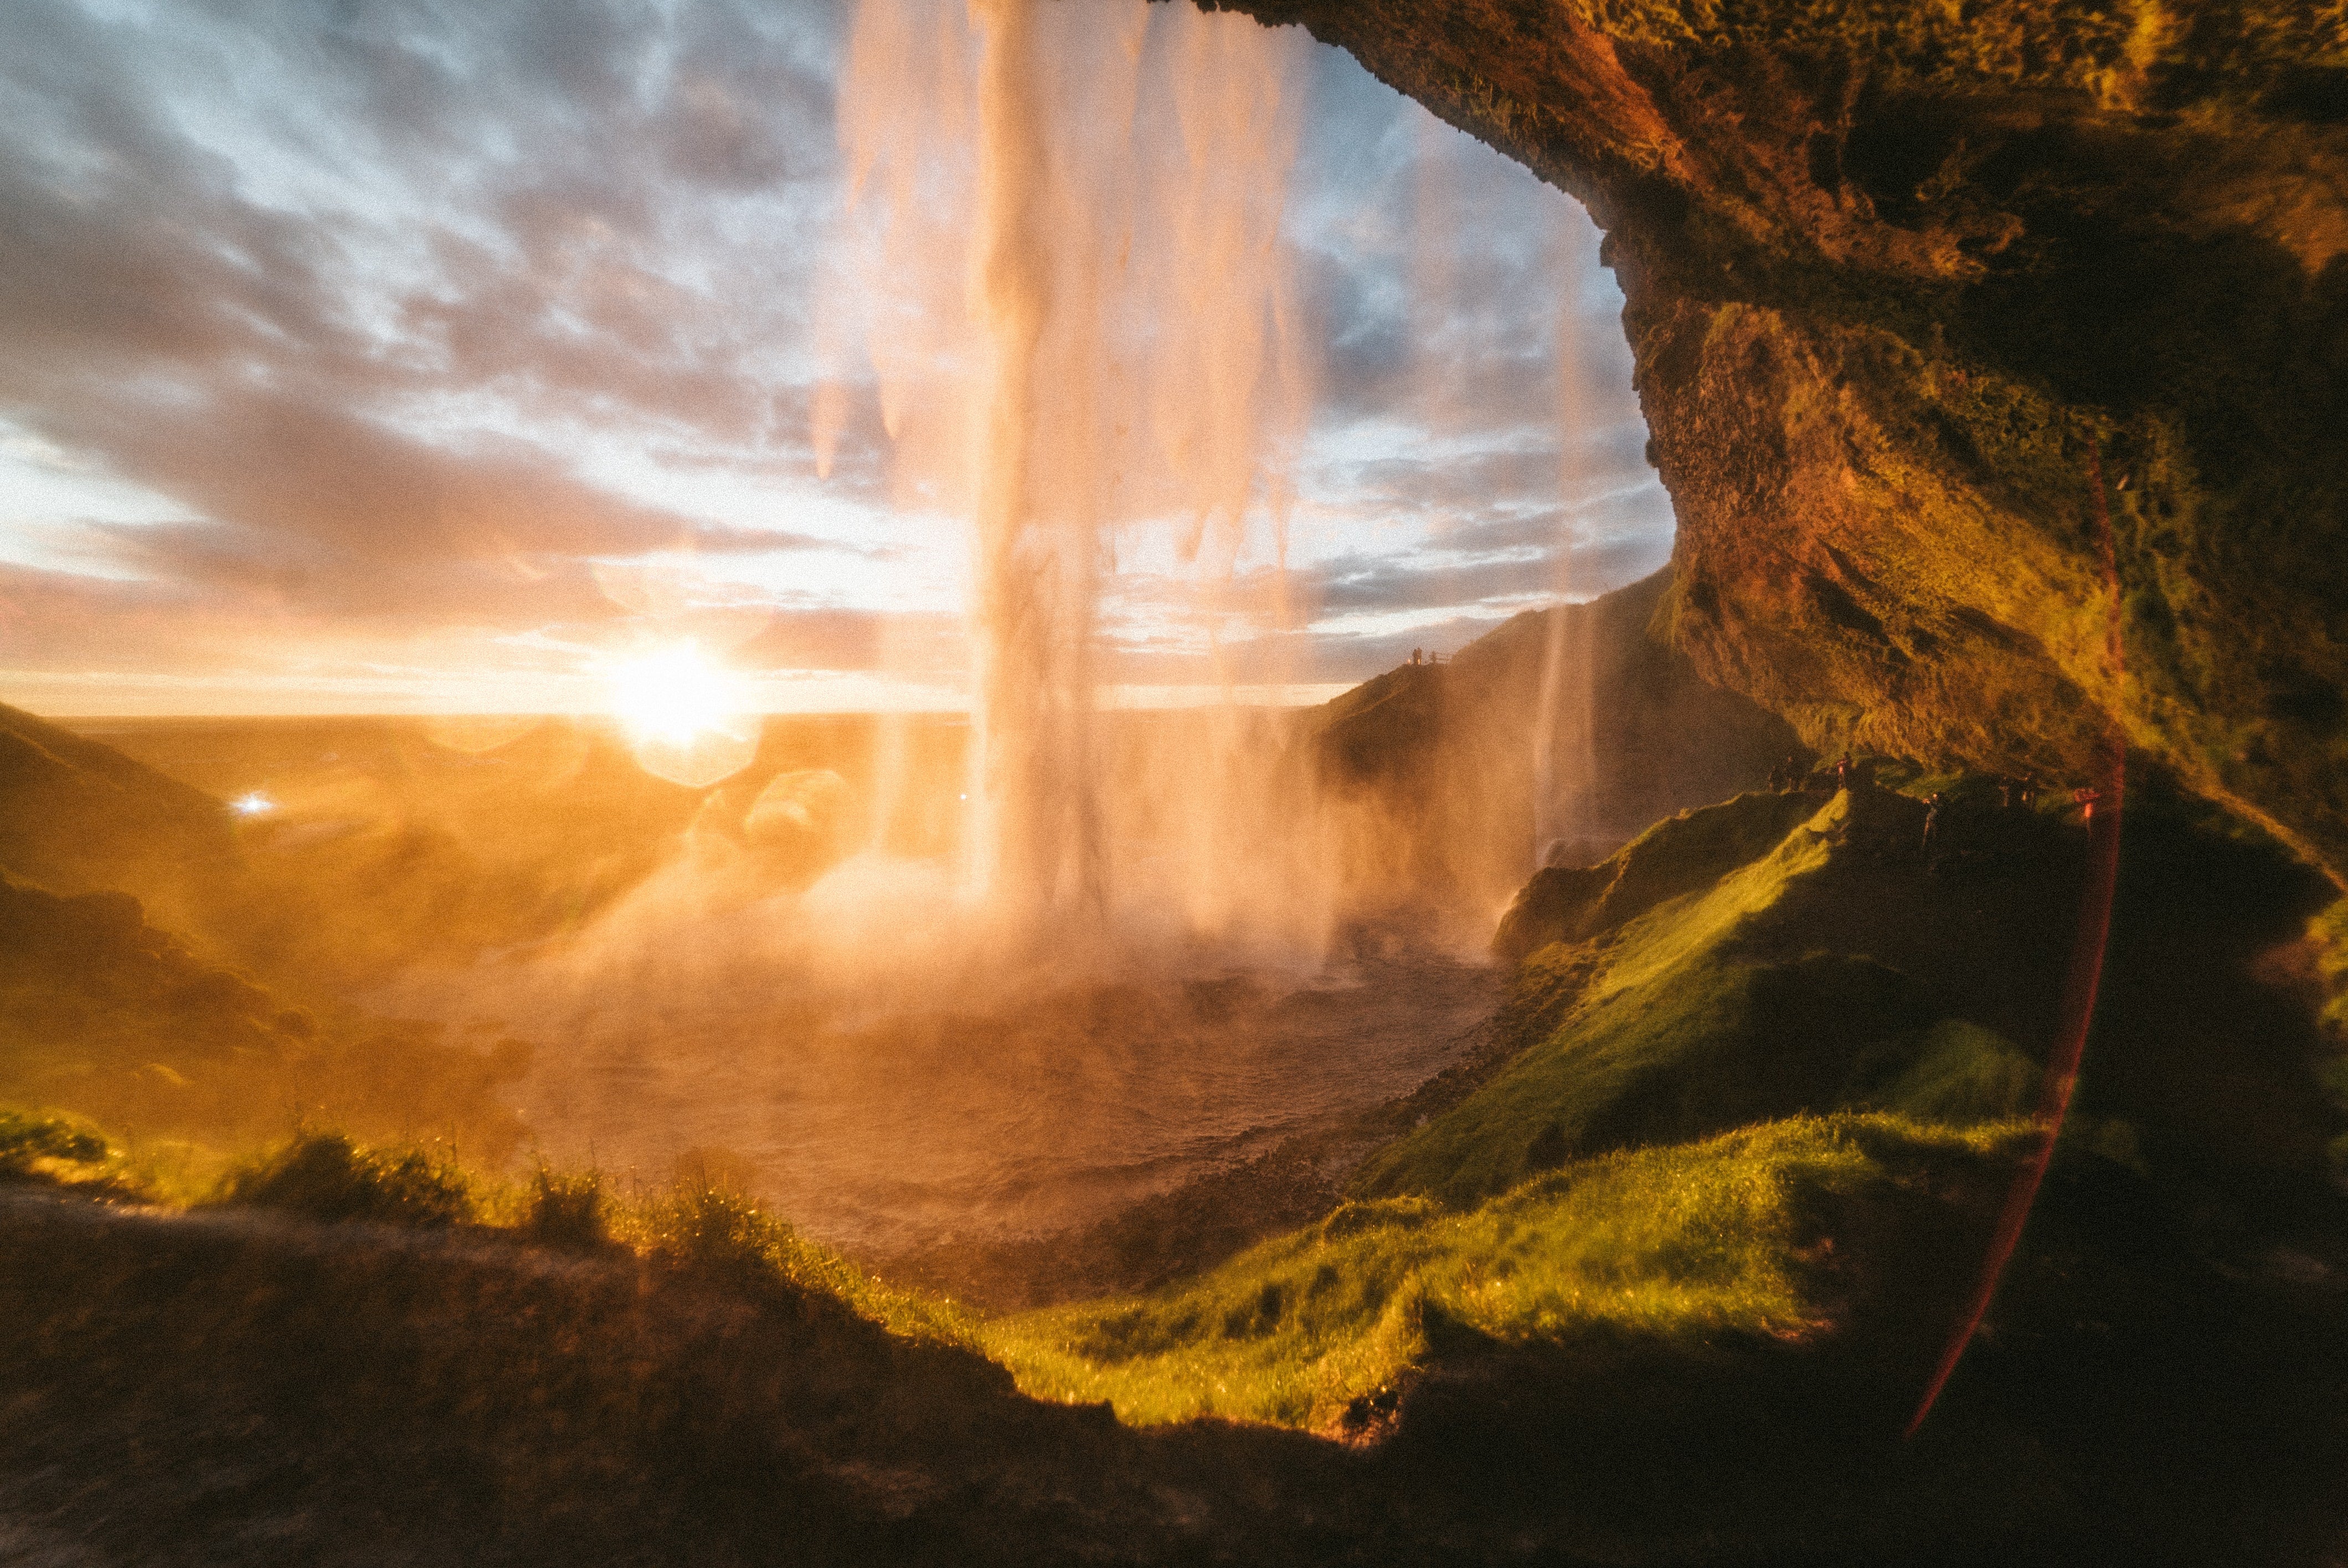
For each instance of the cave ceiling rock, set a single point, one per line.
(1905, 283)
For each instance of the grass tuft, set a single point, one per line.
(722, 1234)
(327, 1176)
(53, 1149)
(566, 1210)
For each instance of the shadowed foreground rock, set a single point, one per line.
(234, 1389)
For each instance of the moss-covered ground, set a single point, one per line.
(1689, 1245)
(1781, 1055)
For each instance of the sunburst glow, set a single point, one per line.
(676, 694)
(687, 716)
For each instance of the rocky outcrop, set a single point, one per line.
(1995, 356)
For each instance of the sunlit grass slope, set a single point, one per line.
(702, 1229)
(1758, 1014)
(1684, 1245)
(1773, 956)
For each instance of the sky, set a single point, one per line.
(411, 356)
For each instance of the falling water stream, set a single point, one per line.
(1119, 374)
(1565, 715)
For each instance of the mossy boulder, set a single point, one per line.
(1805, 953)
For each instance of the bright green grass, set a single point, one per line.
(1663, 992)
(732, 1238)
(1706, 1013)
(1685, 1243)
(1666, 937)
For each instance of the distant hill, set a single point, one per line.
(381, 848)
(129, 918)
(105, 1015)
(1446, 752)
(77, 816)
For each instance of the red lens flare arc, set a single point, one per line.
(2081, 981)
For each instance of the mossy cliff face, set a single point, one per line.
(1910, 287)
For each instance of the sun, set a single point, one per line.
(676, 695)
(688, 718)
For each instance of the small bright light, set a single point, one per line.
(675, 695)
(255, 804)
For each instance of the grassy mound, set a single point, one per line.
(327, 1176)
(1771, 957)
(1680, 1245)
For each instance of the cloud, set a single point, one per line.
(276, 370)
(409, 316)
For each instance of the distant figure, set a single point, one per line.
(2028, 794)
(1932, 820)
(1414, 658)
(2087, 800)
(2006, 795)
(1842, 771)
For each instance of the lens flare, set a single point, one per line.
(686, 716)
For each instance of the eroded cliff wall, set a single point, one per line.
(1911, 288)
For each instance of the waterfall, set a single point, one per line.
(1066, 266)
